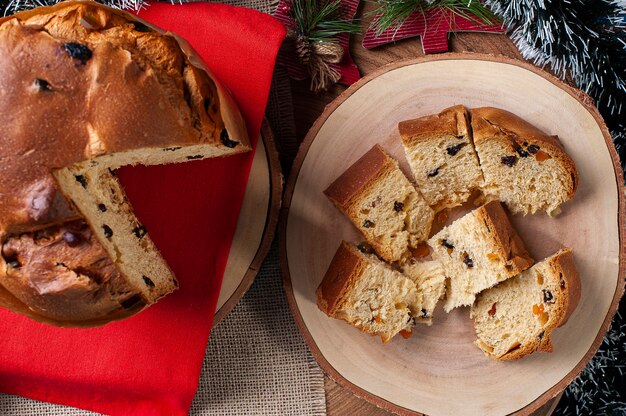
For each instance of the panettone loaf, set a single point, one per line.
(440, 151)
(381, 202)
(86, 89)
(517, 317)
(368, 294)
(523, 167)
(478, 251)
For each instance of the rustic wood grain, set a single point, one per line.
(247, 244)
(308, 107)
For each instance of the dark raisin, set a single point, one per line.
(140, 27)
(541, 335)
(508, 160)
(368, 224)
(140, 231)
(132, 302)
(365, 248)
(108, 232)
(102, 207)
(425, 313)
(226, 139)
(43, 85)
(71, 238)
(112, 172)
(532, 149)
(398, 206)
(525, 144)
(195, 157)
(433, 173)
(547, 296)
(521, 152)
(453, 150)
(82, 180)
(78, 51)
(171, 149)
(468, 261)
(148, 281)
(447, 244)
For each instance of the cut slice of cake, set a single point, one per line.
(440, 151)
(523, 167)
(477, 251)
(368, 294)
(381, 202)
(429, 279)
(517, 317)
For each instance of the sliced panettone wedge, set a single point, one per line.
(523, 167)
(517, 317)
(368, 294)
(440, 151)
(383, 205)
(429, 278)
(477, 251)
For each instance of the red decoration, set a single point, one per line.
(347, 68)
(433, 26)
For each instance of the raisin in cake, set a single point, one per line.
(382, 203)
(368, 294)
(440, 151)
(87, 89)
(517, 317)
(523, 167)
(477, 251)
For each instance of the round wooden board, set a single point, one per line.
(438, 371)
(256, 225)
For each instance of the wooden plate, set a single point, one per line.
(256, 225)
(438, 371)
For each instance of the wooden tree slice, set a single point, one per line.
(256, 225)
(438, 371)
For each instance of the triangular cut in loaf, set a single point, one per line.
(383, 205)
(440, 151)
(523, 167)
(477, 251)
(368, 294)
(517, 317)
(98, 89)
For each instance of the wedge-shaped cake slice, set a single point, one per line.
(440, 151)
(429, 279)
(369, 294)
(517, 317)
(523, 167)
(381, 202)
(477, 251)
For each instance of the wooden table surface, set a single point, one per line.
(308, 107)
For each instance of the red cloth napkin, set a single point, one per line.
(150, 364)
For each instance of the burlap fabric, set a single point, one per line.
(256, 361)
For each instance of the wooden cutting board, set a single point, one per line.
(308, 107)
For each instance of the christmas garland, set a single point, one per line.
(582, 39)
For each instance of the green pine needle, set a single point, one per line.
(318, 20)
(393, 13)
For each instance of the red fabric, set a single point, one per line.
(150, 364)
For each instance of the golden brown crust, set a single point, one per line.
(358, 177)
(344, 269)
(136, 86)
(505, 237)
(494, 123)
(451, 121)
(566, 268)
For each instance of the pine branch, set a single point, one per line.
(394, 13)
